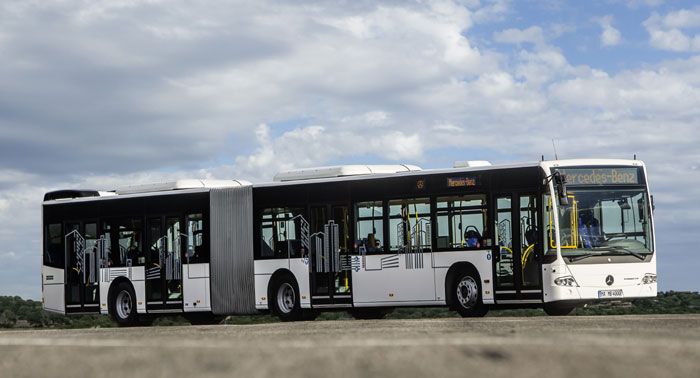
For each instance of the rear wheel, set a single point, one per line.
(123, 305)
(553, 309)
(466, 295)
(284, 299)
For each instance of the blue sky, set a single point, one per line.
(101, 94)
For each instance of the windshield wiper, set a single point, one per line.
(583, 256)
(603, 250)
(624, 250)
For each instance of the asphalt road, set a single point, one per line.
(610, 346)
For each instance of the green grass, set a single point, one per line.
(16, 312)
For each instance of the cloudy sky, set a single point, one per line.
(97, 94)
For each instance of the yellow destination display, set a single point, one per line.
(455, 182)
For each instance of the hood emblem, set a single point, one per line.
(609, 280)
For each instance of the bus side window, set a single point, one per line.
(461, 222)
(369, 233)
(281, 233)
(197, 248)
(54, 254)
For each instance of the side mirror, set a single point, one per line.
(560, 185)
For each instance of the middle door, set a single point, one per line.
(330, 267)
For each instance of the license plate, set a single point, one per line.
(610, 293)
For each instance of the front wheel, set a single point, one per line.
(284, 299)
(123, 305)
(466, 295)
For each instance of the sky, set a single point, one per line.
(101, 94)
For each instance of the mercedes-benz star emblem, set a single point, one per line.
(609, 280)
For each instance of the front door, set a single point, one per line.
(329, 260)
(164, 264)
(517, 249)
(82, 248)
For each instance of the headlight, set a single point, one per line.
(649, 278)
(565, 281)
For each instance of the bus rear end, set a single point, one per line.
(599, 226)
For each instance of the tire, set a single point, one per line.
(369, 313)
(553, 309)
(204, 318)
(122, 305)
(284, 299)
(465, 293)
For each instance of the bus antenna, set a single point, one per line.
(555, 150)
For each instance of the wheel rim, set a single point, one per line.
(467, 292)
(123, 304)
(286, 298)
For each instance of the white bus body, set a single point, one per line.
(472, 238)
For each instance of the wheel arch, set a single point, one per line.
(113, 288)
(455, 269)
(273, 282)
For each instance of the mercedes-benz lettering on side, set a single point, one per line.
(366, 239)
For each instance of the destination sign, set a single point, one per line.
(457, 182)
(600, 176)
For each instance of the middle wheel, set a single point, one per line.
(284, 299)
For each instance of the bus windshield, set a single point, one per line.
(602, 221)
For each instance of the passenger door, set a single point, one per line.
(517, 250)
(164, 264)
(329, 258)
(82, 249)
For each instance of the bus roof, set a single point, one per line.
(321, 175)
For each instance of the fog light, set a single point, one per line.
(649, 278)
(565, 281)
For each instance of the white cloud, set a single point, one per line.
(609, 36)
(532, 35)
(670, 32)
(109, 93)
(492, 11)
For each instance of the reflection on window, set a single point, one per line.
(461, 222)
(281, 233)
(54, 254)
(127, 251)
(197, 251)
(369, 233)
(610, 221)
(409, 225)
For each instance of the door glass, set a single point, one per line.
(341, 218)
(504, 239)
(320, 256)
(75, 247)
(92, 263)
(528, 239)
(173, 262)
(155, 263)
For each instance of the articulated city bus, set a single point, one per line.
(363, 239)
